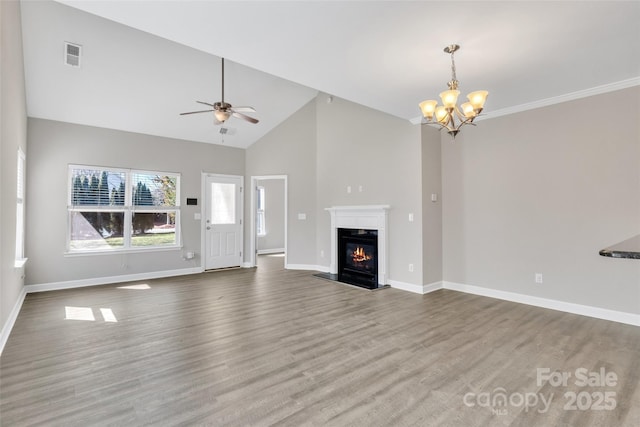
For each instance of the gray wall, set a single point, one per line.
(274, 215)
(13, 134)
(290, 149)
(358, 146)
(431, 211)
(542, 192)
(326, 147)
(54, 145)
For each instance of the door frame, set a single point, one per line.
(203, 214)
(253, 237)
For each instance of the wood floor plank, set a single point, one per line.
(268, 346)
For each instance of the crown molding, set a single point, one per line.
(609, 87)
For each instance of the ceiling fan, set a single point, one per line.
(223, 110)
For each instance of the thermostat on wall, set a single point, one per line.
(193, 202)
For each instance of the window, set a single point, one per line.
(260, 222)
(20, 193)
(120, 209)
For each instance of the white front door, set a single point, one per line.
(223, 221)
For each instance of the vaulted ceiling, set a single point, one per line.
(144, 62)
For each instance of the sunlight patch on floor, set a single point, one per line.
(86, 313)
(107, 315)
(79, 313)
(140, 286)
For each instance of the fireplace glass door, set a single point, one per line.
(358, 257)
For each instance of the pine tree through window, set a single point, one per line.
(121, 209)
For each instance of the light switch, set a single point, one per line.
(410, 217)
(302, 216)
(434, 197)
(197, 216)
(348, 189)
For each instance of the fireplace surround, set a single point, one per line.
(373, 218)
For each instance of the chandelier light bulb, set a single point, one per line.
(428, 108)
(467, 110)
(442, 115)
(478, 98)
(449, 98)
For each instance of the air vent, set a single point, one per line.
(223, 131)
(72, 54)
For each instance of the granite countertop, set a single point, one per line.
(630, 248)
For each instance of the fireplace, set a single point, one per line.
(358, 257)
(373, 220)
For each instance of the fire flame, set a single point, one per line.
(359, 255)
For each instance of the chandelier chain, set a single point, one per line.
(453, 84)
(453, 68)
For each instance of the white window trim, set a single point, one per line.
(260, 213)
(20, 259)
(128, 209)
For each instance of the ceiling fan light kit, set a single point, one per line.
(223, 110)
(448, 115)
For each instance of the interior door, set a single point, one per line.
(223, 222)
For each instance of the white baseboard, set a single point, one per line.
(568, 307)
(418, 289)
(270, 251)
(53, 286)
(8, 325)
(320, 268)
(432, 287)
(247, 265)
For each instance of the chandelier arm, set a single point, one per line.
(461, 116)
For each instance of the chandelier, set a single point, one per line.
(448, 115)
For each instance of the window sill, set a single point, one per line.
(19, 263)
(121, 251)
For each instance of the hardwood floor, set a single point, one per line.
(269, 346)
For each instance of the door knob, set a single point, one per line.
(208, 227)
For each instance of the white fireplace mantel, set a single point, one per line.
(366, 217)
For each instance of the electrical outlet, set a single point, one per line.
(321, 253)
(410, 268)
(538, 277)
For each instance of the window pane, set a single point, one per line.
(20, 231)
(20, 206)
(96, 230)
(117, 209)
(223, 203)
(97, 187)
(153, 229)
(260, 198)
(150, 189)
(260, 226)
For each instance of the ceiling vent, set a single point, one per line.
(72, 54)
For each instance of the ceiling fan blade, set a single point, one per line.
(244, 117)
(205, 103)
(244, 109)
(196, 112)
